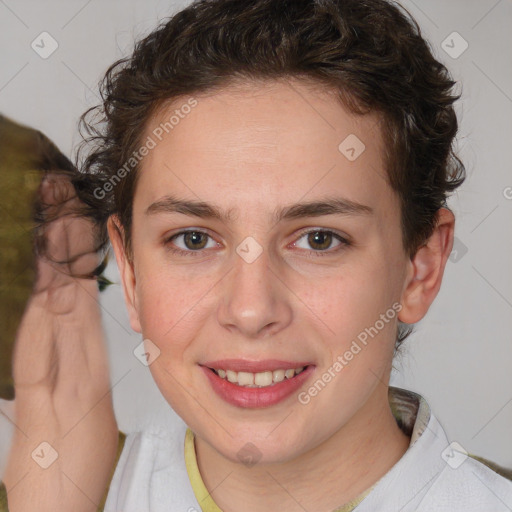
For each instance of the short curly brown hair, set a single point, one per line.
(370, 52)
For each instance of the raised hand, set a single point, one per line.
(64, 446)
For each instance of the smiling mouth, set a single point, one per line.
(260, 379)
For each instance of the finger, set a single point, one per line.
(80, 338)
(55, 190)
(33, 352)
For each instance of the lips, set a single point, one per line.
(243, 365)
(241, 393)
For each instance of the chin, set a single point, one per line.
(259, 449)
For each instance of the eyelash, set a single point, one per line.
(317, 253)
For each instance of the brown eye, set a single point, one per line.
(195, 240)
(320, 240)
(189, 242)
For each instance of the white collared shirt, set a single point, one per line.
(432, 476)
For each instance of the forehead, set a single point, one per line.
(258, 143)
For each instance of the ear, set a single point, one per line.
(116, 234)
(427, 269)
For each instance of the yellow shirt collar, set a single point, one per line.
(201, 492)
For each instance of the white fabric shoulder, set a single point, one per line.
(436, 475)
(432, 475)
(151, 475)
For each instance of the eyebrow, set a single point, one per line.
(327, 206)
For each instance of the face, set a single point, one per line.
(261, 245)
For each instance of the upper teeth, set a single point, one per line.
(257, 380)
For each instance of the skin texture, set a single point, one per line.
(61, 376)
(251, 149)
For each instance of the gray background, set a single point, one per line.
(460, 357)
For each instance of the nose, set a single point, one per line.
(254, 303)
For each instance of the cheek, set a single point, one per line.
(351, 300)
(357, 307)
(171, 306)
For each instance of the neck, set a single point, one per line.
(332, 474)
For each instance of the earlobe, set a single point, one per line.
(126, 271)
(427, 269)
